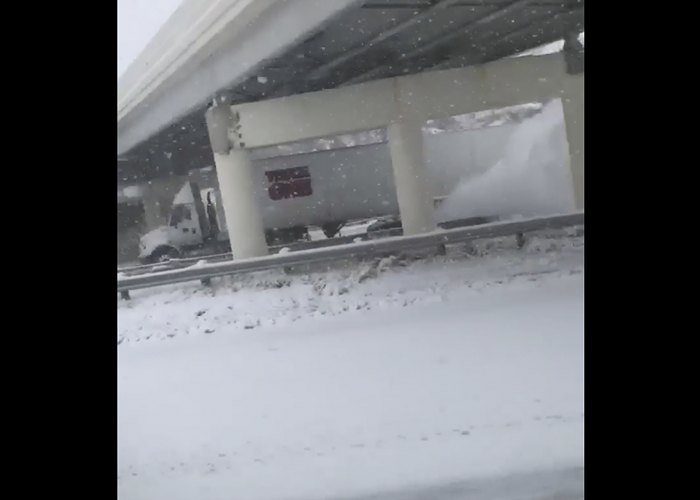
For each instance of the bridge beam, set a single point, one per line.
(421, 97)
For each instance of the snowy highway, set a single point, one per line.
(472, 384)
(555, 484)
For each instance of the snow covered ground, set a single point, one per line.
(274, 298)
(329, 385)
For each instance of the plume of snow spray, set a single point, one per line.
(531, 179)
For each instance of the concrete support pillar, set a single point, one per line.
(237, 182)
(573, 104)
(413, 183)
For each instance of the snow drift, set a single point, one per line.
(531, 179)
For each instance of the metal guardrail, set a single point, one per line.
(369, 248)
(190, 261)
(171, 264)
(293, 247)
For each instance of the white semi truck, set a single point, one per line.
(197, 226)
(324, 189)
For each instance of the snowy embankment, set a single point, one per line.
(482, 377)
(277, 299)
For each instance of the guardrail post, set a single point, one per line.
(125, 295)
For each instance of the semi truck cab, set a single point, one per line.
(193, 224)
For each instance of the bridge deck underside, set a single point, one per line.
(379, 39)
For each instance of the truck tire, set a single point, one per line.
(164, 254)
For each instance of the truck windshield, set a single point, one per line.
(180, 213)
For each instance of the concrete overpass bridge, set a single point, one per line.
(280, 71)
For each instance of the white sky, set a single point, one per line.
(137, 22)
